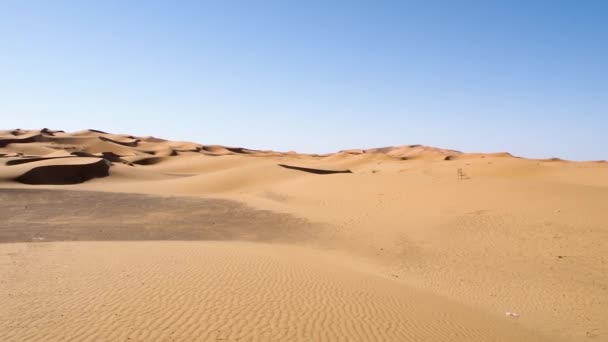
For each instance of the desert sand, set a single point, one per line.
(116, 237)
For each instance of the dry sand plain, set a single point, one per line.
(115, 237)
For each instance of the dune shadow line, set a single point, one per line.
(315, 171)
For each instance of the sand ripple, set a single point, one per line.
(213, 291)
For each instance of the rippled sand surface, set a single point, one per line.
(214, 291)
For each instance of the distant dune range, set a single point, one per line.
(57, 157)
(116, 237)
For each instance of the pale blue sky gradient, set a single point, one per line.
(528, 77)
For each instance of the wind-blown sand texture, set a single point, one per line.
(115, 237)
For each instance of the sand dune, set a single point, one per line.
(18, 138)
(442, 242)
(66, 171)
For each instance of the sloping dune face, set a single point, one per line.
(68, 173)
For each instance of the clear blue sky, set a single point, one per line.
(529, 77)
